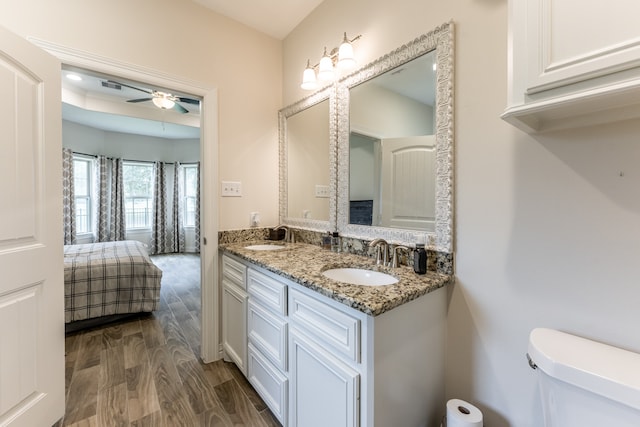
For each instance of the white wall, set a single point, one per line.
(546, 227)
(200, 46)
(381, 113)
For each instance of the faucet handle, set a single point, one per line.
(394, 263)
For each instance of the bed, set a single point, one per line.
(109, 278)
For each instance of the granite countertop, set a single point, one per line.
(303, 263)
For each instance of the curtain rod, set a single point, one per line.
(136, 161)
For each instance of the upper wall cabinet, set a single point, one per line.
(572, 64)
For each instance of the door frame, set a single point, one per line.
(210, 339)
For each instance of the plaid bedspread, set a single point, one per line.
(107, 278)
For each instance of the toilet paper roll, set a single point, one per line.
(463, 414)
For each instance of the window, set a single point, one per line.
(190, 183)
(138, 194)
(82, 186)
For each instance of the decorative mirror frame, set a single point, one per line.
(329, 93)
(441, 40)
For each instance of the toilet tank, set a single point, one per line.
(585, 383)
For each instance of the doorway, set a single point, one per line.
(210, 350)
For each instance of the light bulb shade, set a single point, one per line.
(346, 60)
(309, 81)
(163, 102)
(325, 69)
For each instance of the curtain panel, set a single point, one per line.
(109, 207)
(159, 223)
(177, 225)
(68, 198)
(117, 225)
(198, 208)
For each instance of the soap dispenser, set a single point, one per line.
(420, 258)
(336, 245)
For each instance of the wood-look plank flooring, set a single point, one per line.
(146, 371)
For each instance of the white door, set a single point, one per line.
(324, 391)
(31, 260)
(408, 195)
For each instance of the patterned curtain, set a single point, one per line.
(198, 209)
(110, 204)
(68, 198)
(117, 226)
(159, 226)
(177, 228)
(102, 203)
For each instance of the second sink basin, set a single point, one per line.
(264, 247)
(360, 276)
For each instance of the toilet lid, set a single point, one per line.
(599, 368)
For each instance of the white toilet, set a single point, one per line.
(584, 383)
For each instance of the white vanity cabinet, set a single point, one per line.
(317, 362)
(234, 312)
(572, 64)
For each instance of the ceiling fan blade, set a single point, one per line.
(130, 87)
(139, 100)
(188, 100)
(180, 108)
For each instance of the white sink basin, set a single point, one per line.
(264, 247)
(360, 276)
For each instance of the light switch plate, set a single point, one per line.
(322, 191)
(231, 189)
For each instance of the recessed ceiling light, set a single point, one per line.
(74, 77)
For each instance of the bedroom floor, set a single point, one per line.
(146, 371)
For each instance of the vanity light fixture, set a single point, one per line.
(74, 77)
(338, 59)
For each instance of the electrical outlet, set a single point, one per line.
(322, 191)
(254, 219)
(231, 189)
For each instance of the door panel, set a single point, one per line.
(324, 391)
(408, 197)
(32, 287)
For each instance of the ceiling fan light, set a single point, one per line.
(309, 81)
(163, 102)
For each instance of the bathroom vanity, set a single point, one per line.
(325, 353)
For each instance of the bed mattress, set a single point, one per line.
(102, 279)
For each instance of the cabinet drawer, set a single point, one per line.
(271, 293)
(234, 271)
(268, 333)
(270, 384)
(331, 326)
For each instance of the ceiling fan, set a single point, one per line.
(163, 100)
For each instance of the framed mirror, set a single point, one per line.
(395, 145)
(307, 132)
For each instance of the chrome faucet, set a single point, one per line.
(394, 263)
(382, 251)
(289, 237)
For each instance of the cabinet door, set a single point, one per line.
(324, 391)
(556, 56)
(234, 324)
